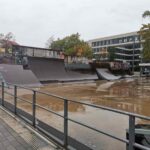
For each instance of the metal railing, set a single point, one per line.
(131, 144)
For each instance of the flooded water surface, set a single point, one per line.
(132, 95)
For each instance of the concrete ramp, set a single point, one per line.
(15, 74)
(106, 75)
(52, 69)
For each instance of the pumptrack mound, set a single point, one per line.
(52, 70)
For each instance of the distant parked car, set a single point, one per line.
(146, 72)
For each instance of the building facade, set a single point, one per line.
(124, 48)
(36, 52)
(20, 53)
(14, 53)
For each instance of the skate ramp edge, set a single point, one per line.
(53, 70)
(106, 75)
(15, 74)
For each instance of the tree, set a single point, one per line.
(145, 34)
(146, 14)
(49, 42)
(1, 36)
(72, 45)
(5, 40)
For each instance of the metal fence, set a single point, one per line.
(131, 144)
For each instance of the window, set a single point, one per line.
(125, 40)
(93, 50)
(97, 44)
(136, 38)
(120, 40)
(131, 39)
(110, 41)
(107, 42)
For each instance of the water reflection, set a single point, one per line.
(131, 95)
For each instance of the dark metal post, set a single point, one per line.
(133, 55)
(15, 99)
(33, 52)
(131, 132)
(34, 108)
(65, 123)
(141, 56)
(3, 93)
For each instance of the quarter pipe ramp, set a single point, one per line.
(106, 75)
(52, 69)
(15, 74)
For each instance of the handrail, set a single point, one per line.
(87, 104)
(102, 132)
(24, 100)
(132, 116)
(49, 110)
(9, 93)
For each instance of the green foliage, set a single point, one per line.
(145, 34)
(111, 53)
(87, 51)
(72, 45)
(146, 14)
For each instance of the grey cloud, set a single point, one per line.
(34, 21)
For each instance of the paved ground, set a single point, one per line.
(15, 136)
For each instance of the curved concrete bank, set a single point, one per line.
(106, 75)
(15, 74)
(52, 69)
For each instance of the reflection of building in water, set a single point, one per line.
(123, 91)
(130, 96)
(131, 107)
(55, 104)
(132, 89)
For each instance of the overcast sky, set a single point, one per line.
(34, 21)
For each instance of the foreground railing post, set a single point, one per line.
(15, 99)
(34, 108)
(131, 132)
(3, 93)
(65, 123)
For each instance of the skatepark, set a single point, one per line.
(47, 70)
(100, 87)
(53, 70)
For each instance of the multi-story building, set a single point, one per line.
(126, 47)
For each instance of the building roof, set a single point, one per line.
(37, 48)
(113, 36)
(13, 42)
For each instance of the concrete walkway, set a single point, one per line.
(15, 136)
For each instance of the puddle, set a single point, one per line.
(128, 95)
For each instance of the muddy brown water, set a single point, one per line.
(132, 95)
